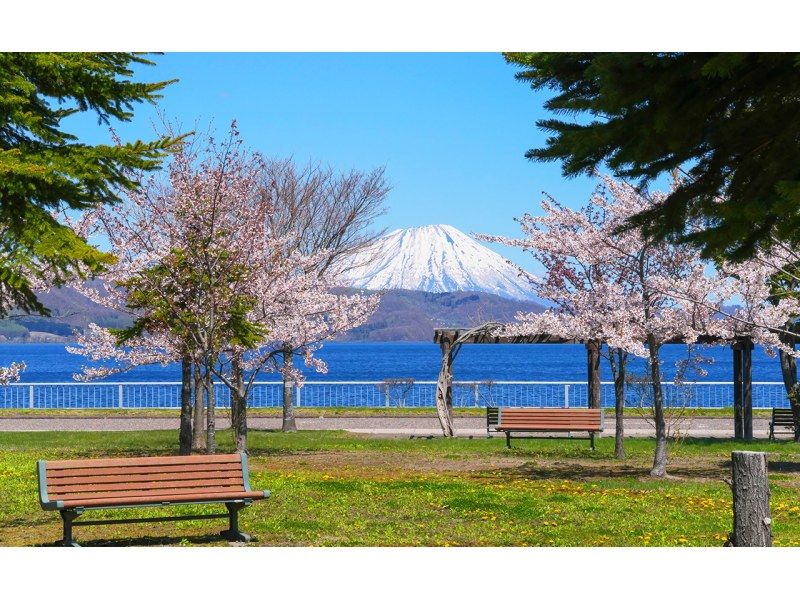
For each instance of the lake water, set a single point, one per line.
(378, 361)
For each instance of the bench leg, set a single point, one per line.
(508, 440)
(771, 431)
(591, 439)
(232, 534)
(68, 517)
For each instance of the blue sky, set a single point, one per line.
(450, 129)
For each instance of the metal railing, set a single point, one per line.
(382, 393)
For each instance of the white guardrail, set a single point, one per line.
(381, 393)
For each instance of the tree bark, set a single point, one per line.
(239, 405)
(747, 390)
(738, 416)
(659, 469)
(289, 424)
(444, 391)
(618, 359)
(185, 435)
(211, 422)
(752, 523)
(789, 373)
(199, 436)
(593, 373)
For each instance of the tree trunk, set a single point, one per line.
(738, 415)
(289, 424)
(444, 391)
(618, 359)
(752, 524)
(185, 435)
(659, 469)
(747, 390)
(211, 422)
(199, 437)
(239, 405)
(789, 372)
(593, 373)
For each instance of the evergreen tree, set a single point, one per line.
(730, 122)
(44, 169)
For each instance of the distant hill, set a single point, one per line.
(402, 316)
(412, 315)
(69, 310)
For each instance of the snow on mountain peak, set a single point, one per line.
(436, 258)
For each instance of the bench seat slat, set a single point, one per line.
(134, 470)
(156, 499)
(71, 496)
(67, 490)
(550, 428)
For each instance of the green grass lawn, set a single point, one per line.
(334, 488)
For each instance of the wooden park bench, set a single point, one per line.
(73, 487)
(540, 419)
(781, 418)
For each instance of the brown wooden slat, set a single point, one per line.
(61, 491)
(536, 420)
(550, 428)
(571, 412)
(149, 477)
(139, 461)
(155, 492)
(132, 470)
(549, 419)
(154, 499)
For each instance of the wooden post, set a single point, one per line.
(593, 373)
(737, 393)
(752, 523)
(747, 389)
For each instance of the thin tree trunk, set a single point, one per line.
(211, 422)
(618, 359)
(185, 435)
(752, 523)
(199, 437)
(444, 392)
(789, 372)
(593, 373)
(660, 458)
(289, 424)
(239, 405)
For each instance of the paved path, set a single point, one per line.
(389, 426)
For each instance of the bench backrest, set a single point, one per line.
(550, 419)
(782, 417)
(92, 482)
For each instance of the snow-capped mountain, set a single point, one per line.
(436, 258)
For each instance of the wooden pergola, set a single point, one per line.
(742, 347)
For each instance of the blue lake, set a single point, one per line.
(377, 361)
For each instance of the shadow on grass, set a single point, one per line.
(204, 539)
(581, 472)
(783, 466)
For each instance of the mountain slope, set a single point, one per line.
(412, 315)
(436, 258)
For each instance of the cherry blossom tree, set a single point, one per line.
(605, 282)
(208, 280)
